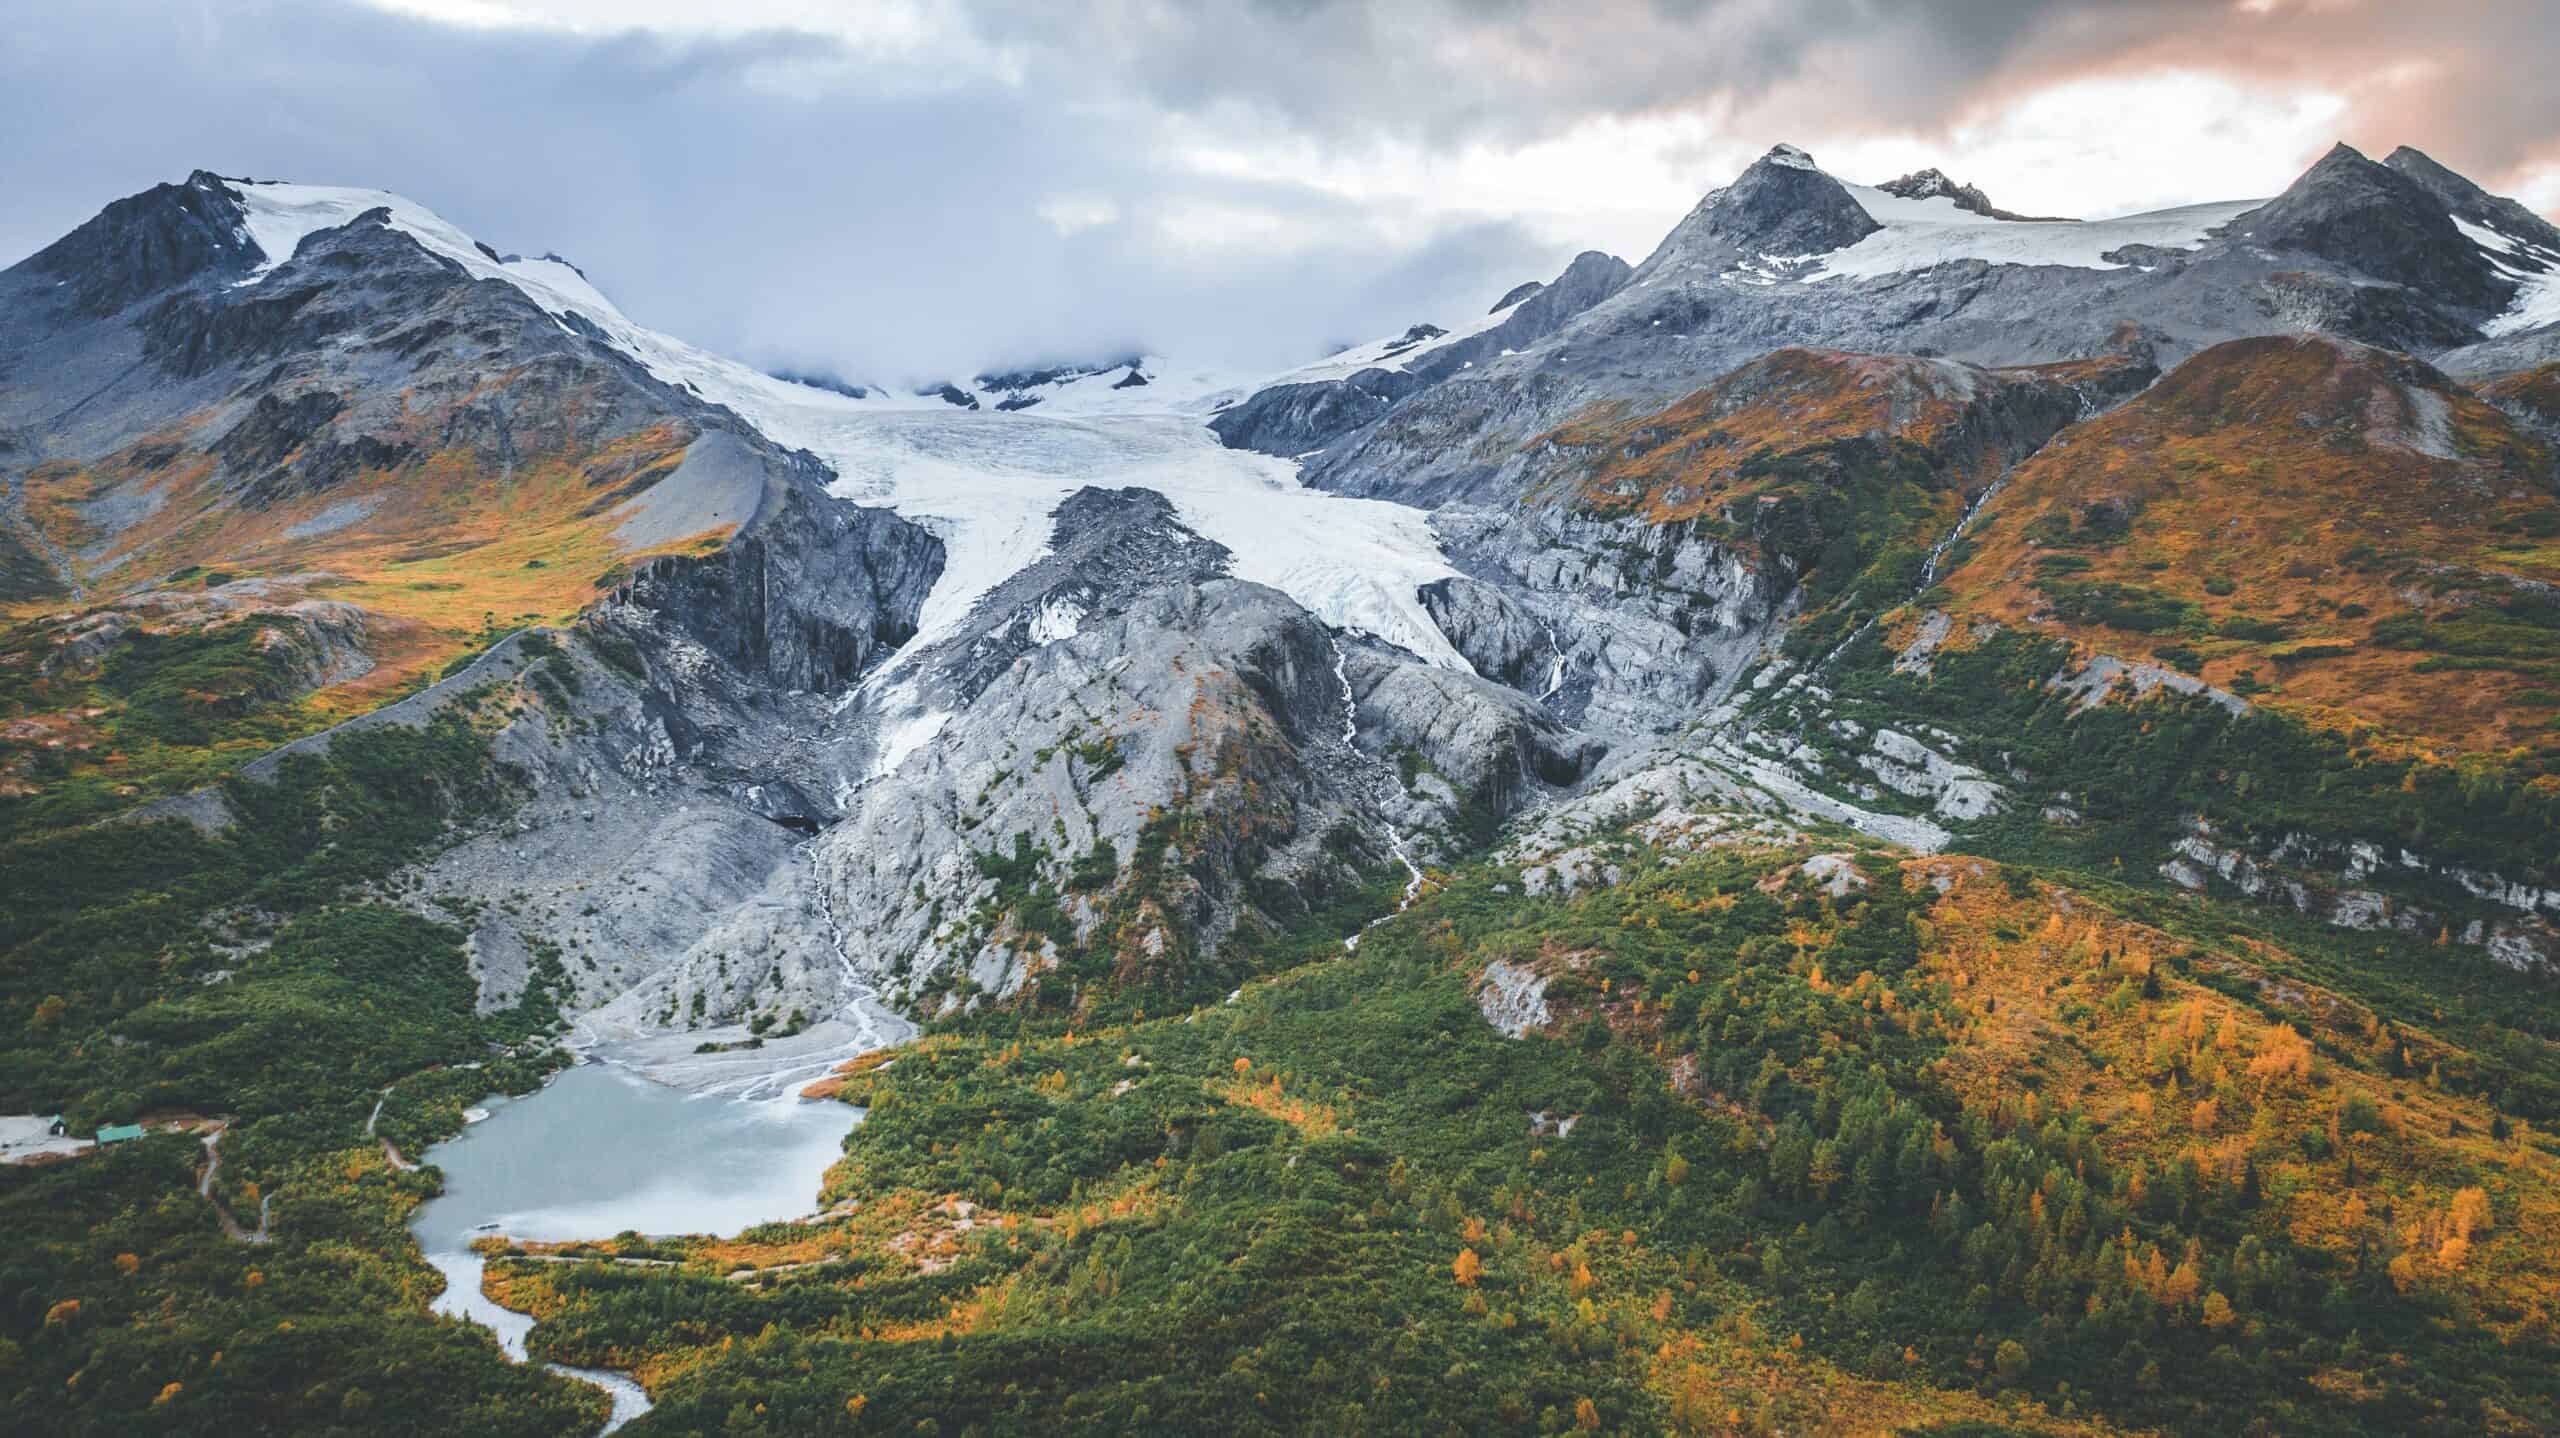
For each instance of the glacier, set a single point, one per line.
(984, 482)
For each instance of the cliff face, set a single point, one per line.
(810, 594)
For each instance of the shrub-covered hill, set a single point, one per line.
(287, 1037)
(1722, 449)
(2275, 627)
(2333, 531)
(1925, 1145)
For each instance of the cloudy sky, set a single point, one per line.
(898, 188)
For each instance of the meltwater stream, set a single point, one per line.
(602, 1150)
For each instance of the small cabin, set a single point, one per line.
(119, 1132)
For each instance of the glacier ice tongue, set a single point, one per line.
(984, 482)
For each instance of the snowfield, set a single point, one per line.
(1171, 388)
(1920, 234)
(986, 482)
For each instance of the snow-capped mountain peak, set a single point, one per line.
(278, 216)
(1787, 219)
(1784, 207)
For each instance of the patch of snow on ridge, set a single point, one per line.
(281, 216)
(2537, 303)
(1390, 353)
(2536, 274)
(903, 736)
(1922, 234)
(984, 482)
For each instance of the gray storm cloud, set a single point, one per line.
(799, 200)
(2467, 80)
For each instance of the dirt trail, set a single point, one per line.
(204, 1189)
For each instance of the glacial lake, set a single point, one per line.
(602, 1150)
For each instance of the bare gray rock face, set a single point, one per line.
(1494, 745)
(1503, 640)
(2328, 879)
(1163, 749)
(1638, 625)
(809, 595)
(1297, 418)
(1514, 1000)
(1187, 705)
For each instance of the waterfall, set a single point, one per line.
(1928, 569)
(1379, 780)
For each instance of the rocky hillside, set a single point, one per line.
(276, 491)
(2400, 255)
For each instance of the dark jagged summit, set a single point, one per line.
(146, 243)
(1934, 183)
(2467, 201)
(2386, 224)
(1593, 276)
(1783, 205)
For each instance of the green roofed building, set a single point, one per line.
(119, 1132)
